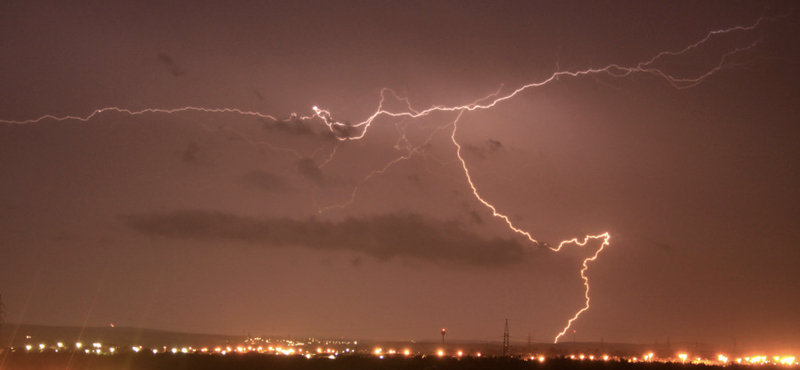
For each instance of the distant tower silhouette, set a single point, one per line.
(505, 341)
(443, 331)
(529, 343)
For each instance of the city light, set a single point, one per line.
(330, 350)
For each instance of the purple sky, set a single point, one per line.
(233, 223)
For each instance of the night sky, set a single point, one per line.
(273, 222)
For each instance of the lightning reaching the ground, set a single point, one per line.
(344, 132)
(605, 237)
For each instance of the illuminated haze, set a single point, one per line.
(273, 222)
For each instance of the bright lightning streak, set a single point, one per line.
(605, 238)
(140, 112)
(346, 132)
(495, 213)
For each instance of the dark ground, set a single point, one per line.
(80, 361)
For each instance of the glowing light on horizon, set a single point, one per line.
(350, 132)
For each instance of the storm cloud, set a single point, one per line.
(488, 147)
(170, 64)
(309, 169)
(381, 236)
(294, 126)
(266, 181)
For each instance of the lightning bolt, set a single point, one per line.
(344, 132)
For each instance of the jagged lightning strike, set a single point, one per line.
(347, 132)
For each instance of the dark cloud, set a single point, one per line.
(295, 126)
(381, 236)
(486, 148)
(414, 179)
(173, 68)
(309, 169)
(258, 94)
(267, 181)
(193, 154)
(475, 218)
(661, 245)
(344, 130)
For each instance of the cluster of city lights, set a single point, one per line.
(99, 348)
(721, 360)
(750, 360)
(96, 348)
(294, 349)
